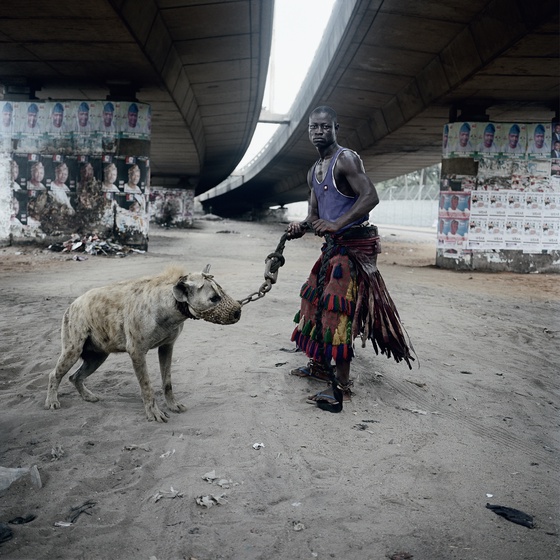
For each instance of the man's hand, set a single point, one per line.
(296, 229)
(324, 226)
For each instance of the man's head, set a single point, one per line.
(37, 172)
(464, 134)
(110, 173)
(539, 136)
(513, 136)
(134, 174)
(83, 114)
(7, 114)
(132, 115)
(323, 126)
(454, 202)
(489, 132)
(61, 173)
(108, 113)
(32, 112)
(557, 146)
(454, 226)
(57, 115)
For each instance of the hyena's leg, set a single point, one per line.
(92, 359)
(165, 354)
(141, 370)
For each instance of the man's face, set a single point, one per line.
(38, 173)
(322, 130)
(464, 138)
(454, 202)
(454, 227)
(513, 139)
(57, 119)
(132, 119)
(61, 174)
(539, 139)
(557, 146)
(111, 174)
(488, 139)
(83, 117)
(107, 118)
(31, 120)
(6, 119)
(14, 168)
(135, 176)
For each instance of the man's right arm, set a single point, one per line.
(298, 229)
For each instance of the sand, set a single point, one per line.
(404, 471)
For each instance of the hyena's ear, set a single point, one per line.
(183, 289)
(206, 273)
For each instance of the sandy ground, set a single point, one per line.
(407, 467)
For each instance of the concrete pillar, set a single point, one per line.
(499, 206)
(74, 167)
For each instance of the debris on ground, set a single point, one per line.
(92, 245)
(5, 533)
(211, 500)
(171, 494)
(8, 476)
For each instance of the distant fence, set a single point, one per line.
(408, 201)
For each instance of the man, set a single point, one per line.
(464, 142)
(32, 124)
(556, 132)
(57, 125)
(107, 122)
(7, 118)
(59, 190)
(83, 125)
(512, 146)
(538, 144)
(555, 153)
(344, 296)
(132, 119)
(487, 145)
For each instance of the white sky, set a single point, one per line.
(298, 29)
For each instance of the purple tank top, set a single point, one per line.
(331, 202)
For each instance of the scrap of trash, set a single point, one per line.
(93, 245)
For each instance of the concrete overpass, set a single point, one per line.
(396, 71)
(201, 65)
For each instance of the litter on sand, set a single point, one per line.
(211, 500)
(9, 476)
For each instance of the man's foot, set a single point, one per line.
(327, 396)
(312, 370)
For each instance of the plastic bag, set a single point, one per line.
(9, 476)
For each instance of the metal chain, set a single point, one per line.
(272, 264)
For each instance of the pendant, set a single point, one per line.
(326, 187)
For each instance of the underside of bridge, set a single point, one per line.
(201, 65)
(396, 71)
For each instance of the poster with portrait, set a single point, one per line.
(512, 139)
(462, 139)
(134, 120)
(539, 140)
(487, 145)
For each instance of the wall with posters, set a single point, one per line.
(74, 167)
(499, 206)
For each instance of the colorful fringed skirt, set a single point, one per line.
(344, 298)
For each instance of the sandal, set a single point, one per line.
(328, 395)
(313, 370)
